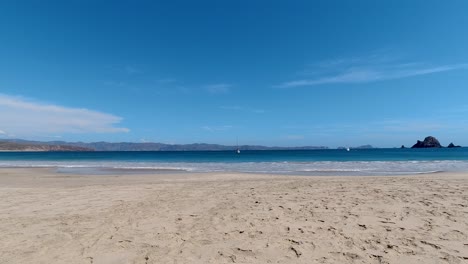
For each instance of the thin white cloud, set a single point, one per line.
(389, 127)
(125, 69)
(166, 80)
(216, 128)
(24, 117)
(294, 137)
(242, 109)
(365, 70)
(232, 107)
(454, 110)
(114, 83)
(258, 111)
(2, 132)
(131, 70)
(219, 88)
(416, 126)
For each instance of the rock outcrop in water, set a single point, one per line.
(451, 145)
(429, 142)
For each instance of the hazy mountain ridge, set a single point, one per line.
(147, 146)
(23, 146)
(358, 147)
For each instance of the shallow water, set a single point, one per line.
(303, 162)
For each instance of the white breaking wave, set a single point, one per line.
(302, 168)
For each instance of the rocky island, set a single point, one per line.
(431, 142)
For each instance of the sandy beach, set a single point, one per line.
(46, 217)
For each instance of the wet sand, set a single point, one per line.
(46, 217)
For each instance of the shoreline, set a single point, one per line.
(312, 163)
(198, 168)
(49, 217)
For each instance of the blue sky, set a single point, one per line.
(284, 73)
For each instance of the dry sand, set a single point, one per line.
(47, 217)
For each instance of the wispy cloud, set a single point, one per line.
(166, 80)
(217, 128)
(131, 70)
(242, 109)
(365, 70)
(124, 69)
(219, 88)
(232, 107)
(24, 117)
(115, 83)
(408, 127)
(454, 110)
(294, 137)
(412, 125)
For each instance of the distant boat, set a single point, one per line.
(238, 149)
(348, 149)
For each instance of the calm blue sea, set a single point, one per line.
(303, 162)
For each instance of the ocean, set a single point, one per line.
(295, 162)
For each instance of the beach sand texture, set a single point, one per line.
(47, 217)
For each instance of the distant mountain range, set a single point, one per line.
(26, 145)
(359, 147)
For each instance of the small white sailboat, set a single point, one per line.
(238, 149)
(348, 149)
